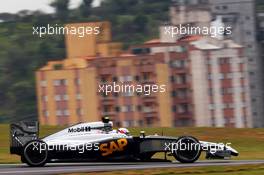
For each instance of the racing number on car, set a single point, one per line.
(109, 148)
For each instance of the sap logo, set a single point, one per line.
(109, 148)
(81, 129)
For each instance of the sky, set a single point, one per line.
(13, 6)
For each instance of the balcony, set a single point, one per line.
(178, 100)
(148, 82)
(108, 100)
(177, 86)
(149, 98)
(110, 113)
(149, 110)
(184, 115)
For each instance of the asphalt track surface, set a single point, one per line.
(60, 168)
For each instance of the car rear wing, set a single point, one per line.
(21, 133)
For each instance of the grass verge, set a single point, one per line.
(215, 170)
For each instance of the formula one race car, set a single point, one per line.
(98, 141)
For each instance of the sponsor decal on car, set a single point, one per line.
(113, 146)
(80, 129)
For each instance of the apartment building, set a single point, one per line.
(241, 16)
(204, 78)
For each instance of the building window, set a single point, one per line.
(224, 60)
(252, 86)
(130, 108)
(209, 62)
(221, 76)
(103, 79)
(139, 108)
(115, 94)
(140, 122)
(57, 98)
(224, 7)
(59, 82)
(56, 82)
(117, 109)
(248, 33)
(251, 73)
(128, 93)
(126, 78)
(149, 121)
(178, 63)
(79, 112)
(45, 113)
(210, 91)
(63, 82)
(66, 112)
(182, 93)
(227, 91)
(139, 94)
(173, 93)
(65, 97)
(115, 79)
(78, 96)
(77, 81)
(172, 78)
(137, 78)
(183, 122)
(43, 83)
(211, 107)
(58, 113)
(124, 109)
(127, 123)
(229, 75)
(145, 76)
(226, 120)
(106, 108)
(174, 108)
(44, 98)
(210, 76)
(183, 108)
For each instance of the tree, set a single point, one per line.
(141, 23)
(85, 8)
(62, 9)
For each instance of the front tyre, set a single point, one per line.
(187, 149)
(35, 153)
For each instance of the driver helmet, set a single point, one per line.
(123, 131)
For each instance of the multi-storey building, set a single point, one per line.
(204, 79)
(241, 16)
(260, 37)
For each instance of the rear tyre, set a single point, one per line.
(23, 159)
(187, 149)
(35, 153)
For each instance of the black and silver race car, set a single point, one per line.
(98, 141)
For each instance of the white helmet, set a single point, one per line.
(123, 131)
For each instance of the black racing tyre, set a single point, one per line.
(35, 153)
(23, 159)
(187, 149)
